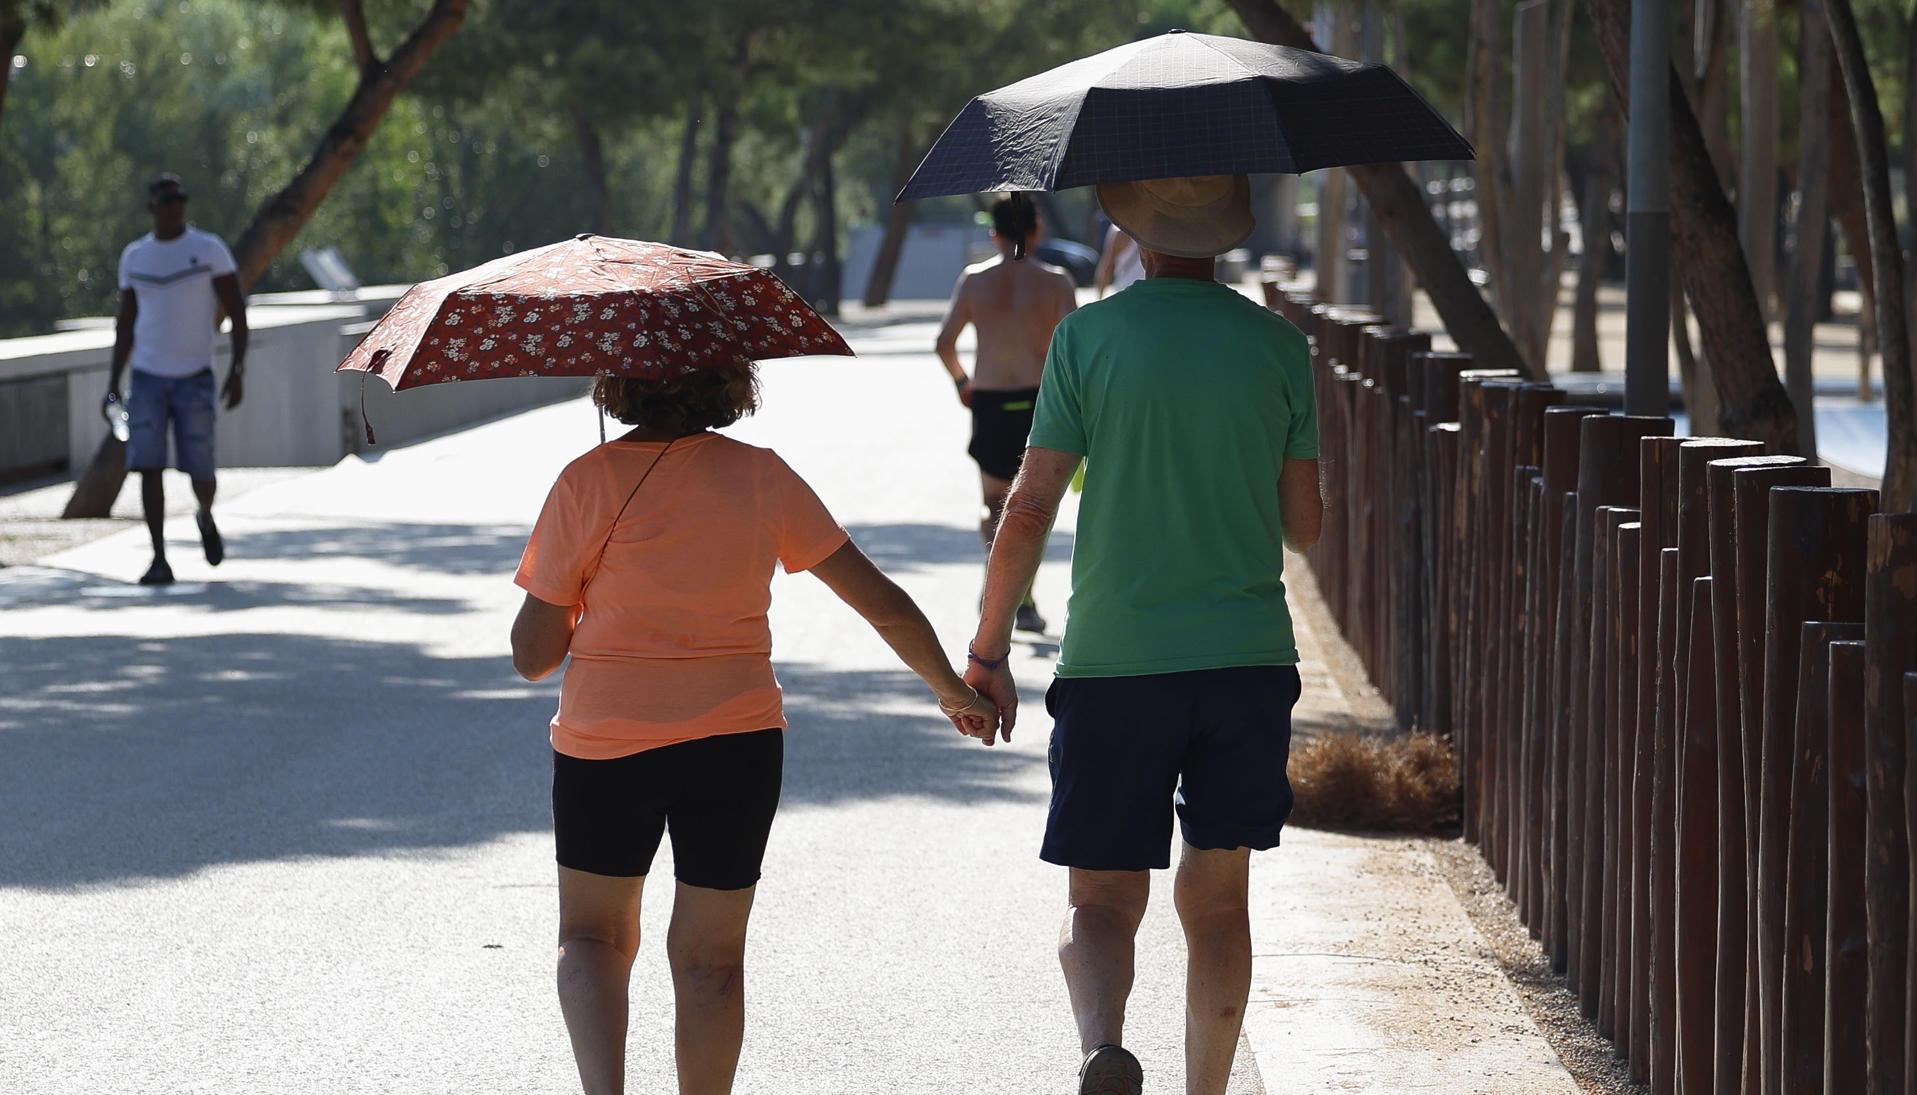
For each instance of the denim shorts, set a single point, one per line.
(1126, 751)
(186, 403)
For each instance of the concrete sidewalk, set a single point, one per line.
(283, 827)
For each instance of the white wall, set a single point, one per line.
(296, 410)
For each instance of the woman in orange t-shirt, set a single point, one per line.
(651, 566)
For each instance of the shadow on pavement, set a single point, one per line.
(441, 548)
(124, 759)
(903, 548)
(86, 592)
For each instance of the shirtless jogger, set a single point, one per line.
(1013, 302)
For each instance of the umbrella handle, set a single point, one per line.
(363, 420)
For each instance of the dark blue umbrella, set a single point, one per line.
(1183, 104)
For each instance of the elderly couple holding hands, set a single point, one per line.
(650, 567)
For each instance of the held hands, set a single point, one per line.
(973, 715)
(995, 685)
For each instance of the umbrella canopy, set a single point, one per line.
(1178, 105)
(587, 306)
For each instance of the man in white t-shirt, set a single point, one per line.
(174, 284)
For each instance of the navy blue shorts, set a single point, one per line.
(1125, 750)
(185, 403)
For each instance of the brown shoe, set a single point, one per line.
(1110, 1070)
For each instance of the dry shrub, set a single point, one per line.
(1381, 784)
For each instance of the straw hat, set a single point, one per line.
(1196, 217)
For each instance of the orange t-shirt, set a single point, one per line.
(672, 643)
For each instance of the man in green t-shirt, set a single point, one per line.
(1192, 409)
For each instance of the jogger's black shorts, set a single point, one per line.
(1125, 750)
(1001, 420)
(716, 795)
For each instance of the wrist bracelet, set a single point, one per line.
(961, 381)
(954, 712)
(973, 656)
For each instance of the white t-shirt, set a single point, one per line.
(173, 282)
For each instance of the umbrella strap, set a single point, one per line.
(363, 420)
(622, 512)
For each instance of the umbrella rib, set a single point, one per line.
(1204, 40)
(1277, 116)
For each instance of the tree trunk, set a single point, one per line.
(717, 234)
(825, 243)
(1757, 174)
(1893, 340)
(1594, 223)
(1710, 266)
(1490, 126)
(592, 160)
(1847, 206)
(13, 28)
(1813, 221)
(1712, 38)
(878, 287)
(682, 178)
(1693, 373)
(1328, 245)
(1407, 222)
(280, 218)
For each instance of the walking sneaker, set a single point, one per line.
(1028, 619)
(210, 538)
(159, 574)
(1110, 1070)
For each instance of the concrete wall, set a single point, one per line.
(296, 410)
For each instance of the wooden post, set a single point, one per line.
(1526, 454)
(1816, 572)
(1655, 840)
(1890, 646)
(1697, 837)
(1607, 475)
(1807, 861)
(1664, 866)
(1601, 785)
(1442, 443)
(1751, 488)
(1847, 945)
(1619, 762)
(1562, 431)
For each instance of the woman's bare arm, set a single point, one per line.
(896, 617)
(542, 634)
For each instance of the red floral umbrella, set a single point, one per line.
(588, 306)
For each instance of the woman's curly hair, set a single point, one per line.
(702, 399)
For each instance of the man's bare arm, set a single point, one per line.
(122, 338)
(233, 303)
(1301, 503)
(1016, 552)
(956, 318)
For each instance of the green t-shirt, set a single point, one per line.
(1186, 399)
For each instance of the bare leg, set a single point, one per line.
(1210, 893)
(706, 947)
(153, 507)
(1095, 948)
(598, 939)
(994, 490)
(204, 489)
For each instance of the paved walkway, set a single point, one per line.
(284, 826)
